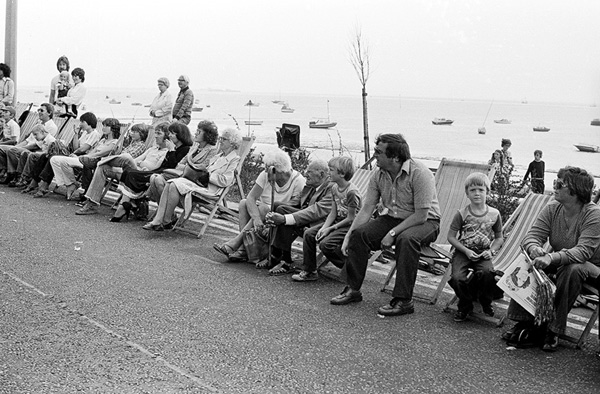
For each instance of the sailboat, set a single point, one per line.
(482, 129)
(322, 123)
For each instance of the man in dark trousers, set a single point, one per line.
(290, 222)
(411, 218)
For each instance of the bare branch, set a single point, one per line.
(359, 56)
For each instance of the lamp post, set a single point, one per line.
(10, 41)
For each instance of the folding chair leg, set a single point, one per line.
(442, 284)
(390, 275)
(588, 327)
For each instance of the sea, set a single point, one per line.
(569, 123)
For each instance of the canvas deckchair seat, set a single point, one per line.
(218, 203)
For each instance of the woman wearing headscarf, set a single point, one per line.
(161, 107)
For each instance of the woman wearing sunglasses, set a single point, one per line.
(571, 225)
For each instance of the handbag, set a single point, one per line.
(256, 245)
(199, 177)
(58, 148)
(89, 162)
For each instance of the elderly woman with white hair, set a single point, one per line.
(162, 105)
(288, 189)
(206, 181)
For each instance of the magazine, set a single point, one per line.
(520, 283)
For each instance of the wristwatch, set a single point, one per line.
(392, 233)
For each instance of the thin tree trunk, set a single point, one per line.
(366, 125)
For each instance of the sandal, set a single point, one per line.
(223, 249)
(41, 193)
(266, 264)
(282, 268)
(71, 189)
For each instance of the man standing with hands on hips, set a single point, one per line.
(406, 188)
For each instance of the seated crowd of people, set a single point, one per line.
(400, 210)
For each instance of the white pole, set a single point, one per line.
(10, 41)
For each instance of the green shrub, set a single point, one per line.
(505, 195)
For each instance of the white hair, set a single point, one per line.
(278, 159)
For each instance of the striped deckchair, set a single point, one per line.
(449, 184)
(218, 203)
(31, 120)
(20, 108)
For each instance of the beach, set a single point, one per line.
(569, 124)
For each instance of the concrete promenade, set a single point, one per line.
(97, 307)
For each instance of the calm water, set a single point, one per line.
(568, 124)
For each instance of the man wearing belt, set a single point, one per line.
(411, 218)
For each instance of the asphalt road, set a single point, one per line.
(97, 307)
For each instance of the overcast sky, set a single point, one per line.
(546, 50)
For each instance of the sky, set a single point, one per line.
(539, 50)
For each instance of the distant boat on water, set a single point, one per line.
(113, 101)
(253, 122)
(197, 109)
(286, 108)
(442, 121)
(482, 129)
(541, 128)
(502, 121)
(279, 102)
(322, 123)
(595, 122)
(137, 104)
(587, 148)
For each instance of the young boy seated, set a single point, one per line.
(330, 235)
(476, 235)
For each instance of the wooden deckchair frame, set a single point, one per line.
(218, 203)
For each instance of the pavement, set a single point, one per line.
(91, 306)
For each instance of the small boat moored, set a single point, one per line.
(502, 121)
(321, 124)
(253, 122)
(287, 109)
(595, 122)
(197, 109)
(587, 148)
(481, 130)
(541, 128)
(113, 101)
(442, 121)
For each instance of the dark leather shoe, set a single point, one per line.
(551, 342)
(238, 256)
(347, 296)
(396, 307)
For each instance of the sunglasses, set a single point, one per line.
(559, 184)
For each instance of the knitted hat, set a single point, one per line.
(165, 81)
(10, 109)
